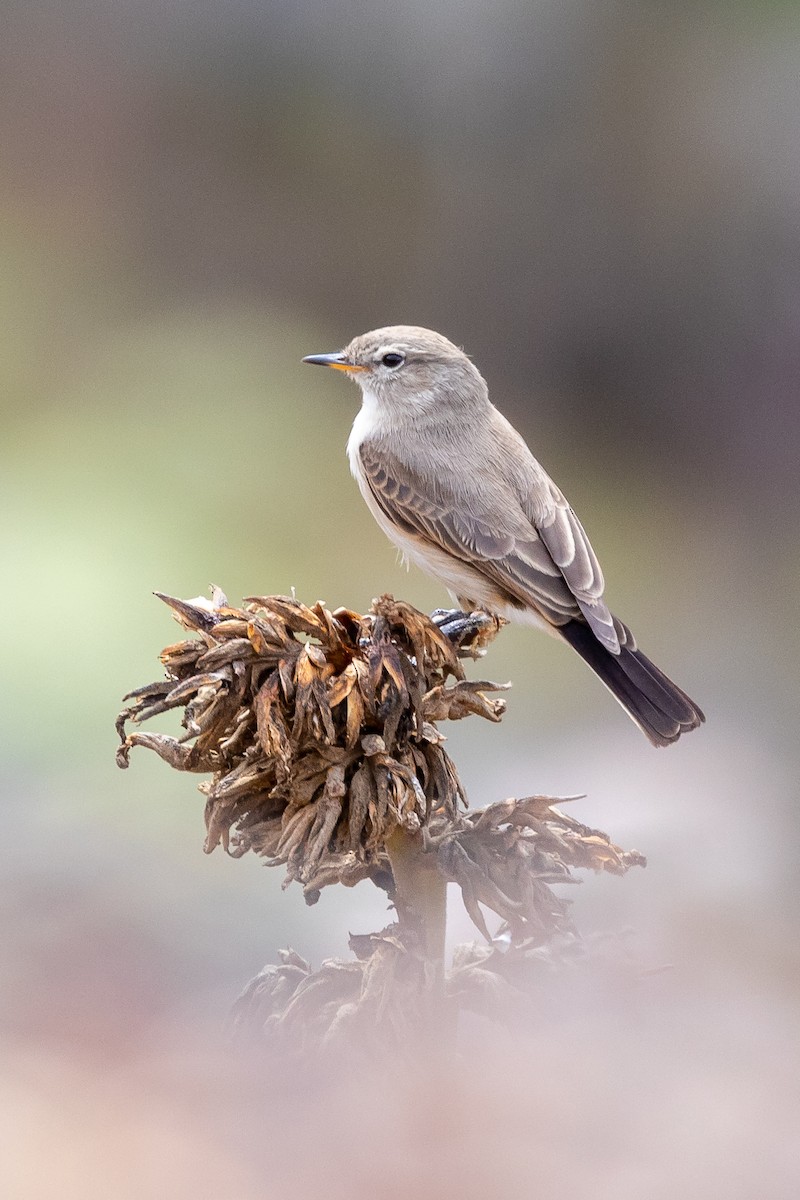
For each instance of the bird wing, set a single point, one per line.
(545, 563)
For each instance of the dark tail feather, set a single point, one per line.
(658, 706)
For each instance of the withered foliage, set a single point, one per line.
(317, 728)
(507, 856)
(319, 731)
(369, 1001)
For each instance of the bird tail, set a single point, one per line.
(658, 706)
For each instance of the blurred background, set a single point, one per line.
(601, 202)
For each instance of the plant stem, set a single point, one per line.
(420, 897)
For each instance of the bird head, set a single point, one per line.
(407, 368)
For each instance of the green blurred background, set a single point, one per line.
(601, 202)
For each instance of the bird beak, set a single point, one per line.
(337, 361)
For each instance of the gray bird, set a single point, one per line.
(456, 488)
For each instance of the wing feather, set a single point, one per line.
(548, 565)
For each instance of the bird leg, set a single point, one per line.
(470, 632)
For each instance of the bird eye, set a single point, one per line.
(392, 360)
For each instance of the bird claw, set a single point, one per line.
(470, 632)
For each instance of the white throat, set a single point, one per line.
(371, 420)
(378, 419)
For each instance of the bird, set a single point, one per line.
(457, 489)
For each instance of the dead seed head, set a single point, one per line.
(319, 733)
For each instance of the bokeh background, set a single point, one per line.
(600, 201)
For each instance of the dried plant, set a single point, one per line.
(319, 731)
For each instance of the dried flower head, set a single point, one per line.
(319, 730)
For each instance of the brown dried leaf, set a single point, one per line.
(173, 752)
(273, 733)
(236, 649)
(312, 713)
(198, 614)
(246, 779)
(295, 616)
(340, 686)
(328, 811)
(464, 698)
(294, 830)
(356, 715)
(431, 650)
(361, 795)
(265, 636)
(231, 627)
(190, 687)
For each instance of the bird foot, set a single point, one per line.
(470, 632)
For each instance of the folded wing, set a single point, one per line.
(543, 562)
(549, 566)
